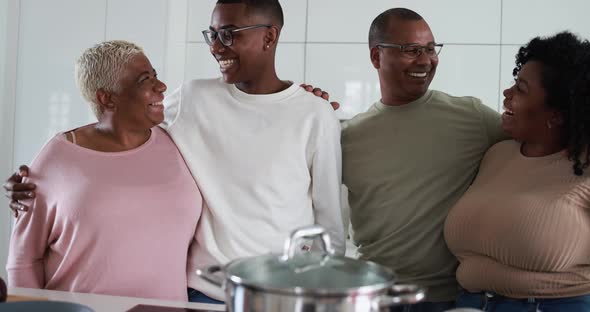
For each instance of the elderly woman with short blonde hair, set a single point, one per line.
(116, 208)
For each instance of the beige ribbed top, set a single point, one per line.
(523, 227)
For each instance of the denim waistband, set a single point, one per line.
(489, 296)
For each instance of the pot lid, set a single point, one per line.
(309, 272)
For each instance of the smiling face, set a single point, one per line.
(138, 101)
(403, 78)
(526, 116)
(245, 61)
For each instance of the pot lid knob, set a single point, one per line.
(308, 232)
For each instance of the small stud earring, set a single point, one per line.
(268, 46)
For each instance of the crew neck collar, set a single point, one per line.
(264, 98)
(411, 105)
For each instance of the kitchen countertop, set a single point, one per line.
(104, 303)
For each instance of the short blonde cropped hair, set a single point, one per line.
(101, 66)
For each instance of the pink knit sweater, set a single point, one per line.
(109, 223)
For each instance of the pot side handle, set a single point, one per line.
(399, 295)
(208, 274)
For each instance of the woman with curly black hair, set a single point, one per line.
(522, 231)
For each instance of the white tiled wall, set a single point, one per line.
(469, 70)
(456, 21)
(524, 19)
(199, 17)
(175, 53)
(323, 43)
(147, 27)
(52, 35)
(345, 71)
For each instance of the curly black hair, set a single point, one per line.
(565, 76)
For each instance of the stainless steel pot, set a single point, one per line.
(309, 281)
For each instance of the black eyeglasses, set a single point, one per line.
(412, 51)
(226, 36)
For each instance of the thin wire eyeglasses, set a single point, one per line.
(226, 36)
(413, 51)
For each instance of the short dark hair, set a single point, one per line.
(565, 77)
(270, 8)
(380, 25)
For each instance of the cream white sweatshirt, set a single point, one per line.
(265, 164)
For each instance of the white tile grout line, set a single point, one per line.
(499, 89)
(186, 29)
(106, 19)
(15, 72)
(305, 42)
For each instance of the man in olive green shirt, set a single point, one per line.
(410, 157)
